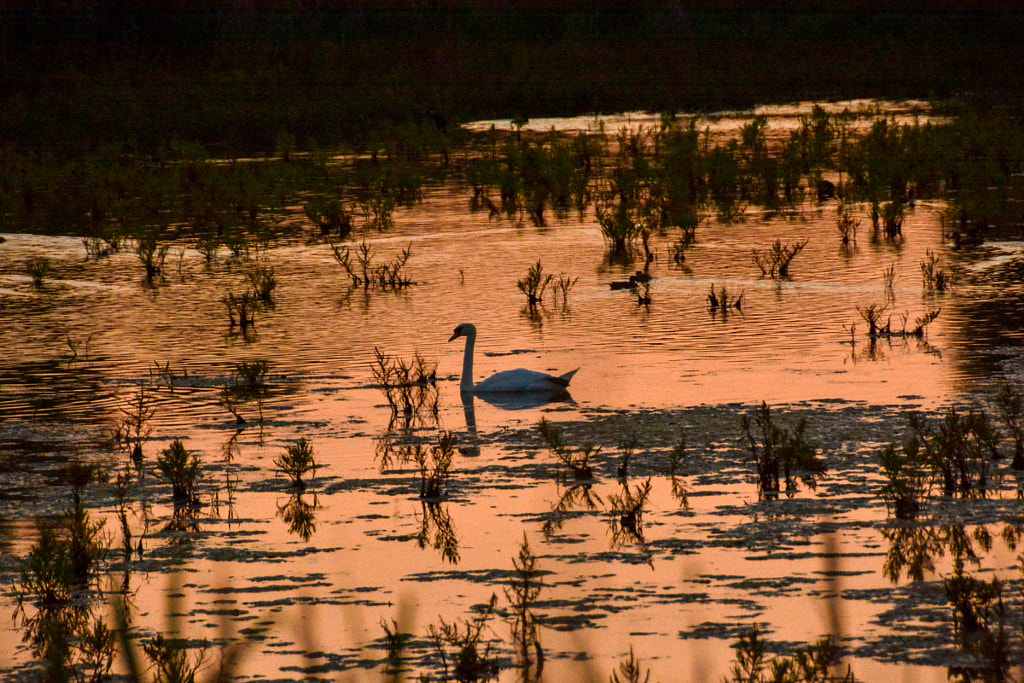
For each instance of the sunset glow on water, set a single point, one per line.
(703, 571)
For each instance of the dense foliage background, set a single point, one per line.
(234, 75)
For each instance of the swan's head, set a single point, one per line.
(463, 330)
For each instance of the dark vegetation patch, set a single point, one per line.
(248, 79)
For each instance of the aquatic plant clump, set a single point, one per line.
(181, 468)
(1010, 404)
(297, 461)
(389, 275)
(251, 375)
(908, 476)
(959, 450)
(462, 648)
(631, 671)
(172, 659)
(818, 662)
(627, 509)
(619, 226)
(774, 262)
(330, 216)
(151, 254)
(48, 574)
(38, 267)
(562, 286)
(241, 309)
(847, 225)
(534, 284)
(263, 282)
(935, 275)
(722, 300)
(134, 425)
(779, 453)
(409, 385)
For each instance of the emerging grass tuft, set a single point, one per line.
(847, 225)
(935, 276)
(723, 301)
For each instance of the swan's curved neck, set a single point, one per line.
(467, 361)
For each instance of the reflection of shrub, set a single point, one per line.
(811, 663)
(981, 622)
(435, 466)
(522, 592)
(300, 515)
(577, 461)
(462, 647)
(171, 661)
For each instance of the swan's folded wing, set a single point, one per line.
(521, 379)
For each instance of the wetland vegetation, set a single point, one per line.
(649, 526)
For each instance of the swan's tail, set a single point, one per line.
(563, 380)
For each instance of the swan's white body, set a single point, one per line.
(507, 381)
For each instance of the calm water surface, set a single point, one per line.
(680, 596)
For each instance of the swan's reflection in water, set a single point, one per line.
(517, 400)
(512, 400)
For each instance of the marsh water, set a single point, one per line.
(309, 600)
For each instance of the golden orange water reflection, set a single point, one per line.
(680, 597)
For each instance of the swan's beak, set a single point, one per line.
(456, 335)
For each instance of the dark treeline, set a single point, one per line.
(236, 74)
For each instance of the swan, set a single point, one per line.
(507, 381)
